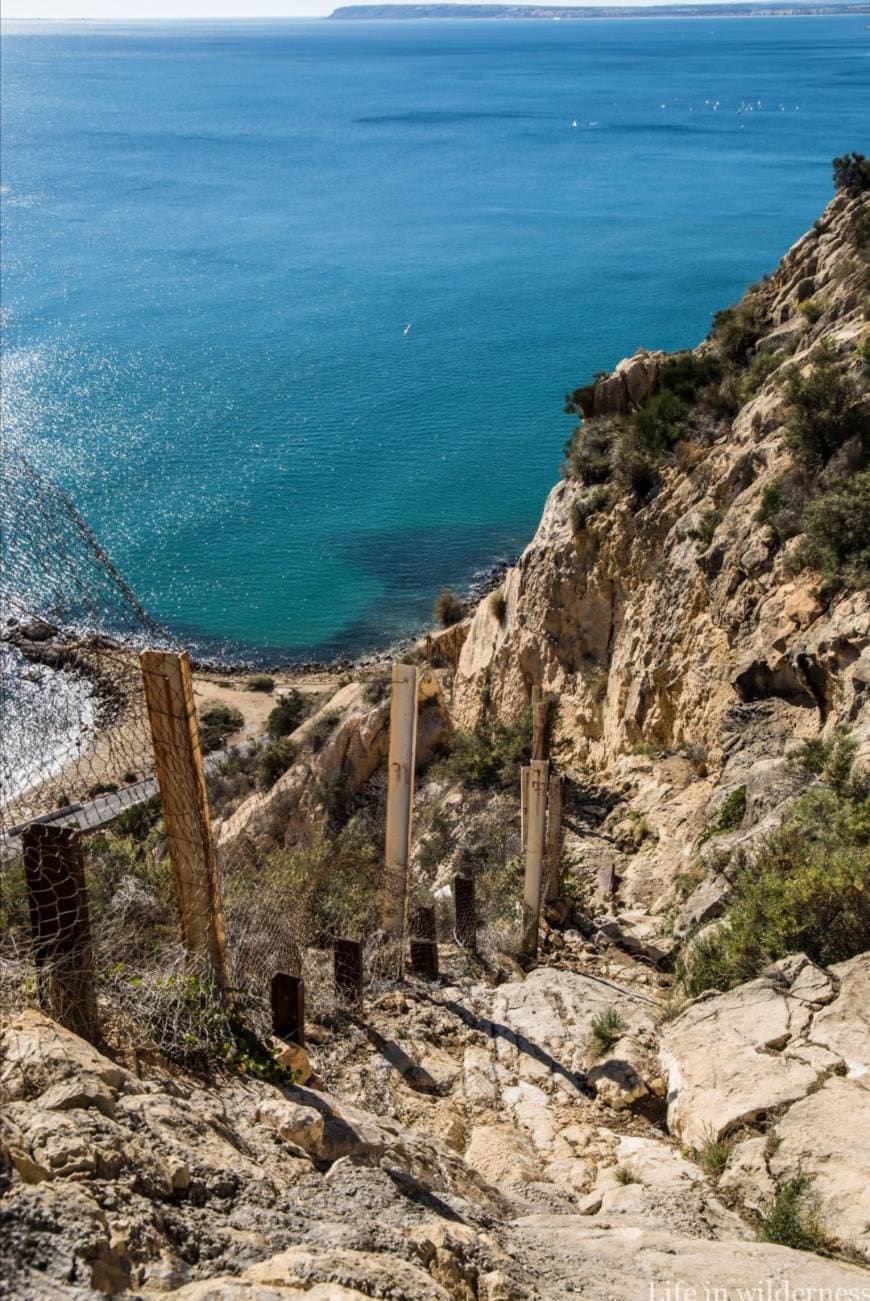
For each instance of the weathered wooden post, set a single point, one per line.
(400, 798)
(538, 779)
(465, 911)
(181, 780)
(57, 898)
(347, 967)
(288, 1007)
(553, 887)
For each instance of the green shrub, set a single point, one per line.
(589, 450)
(859, 230)
(782, 504)
(579, 401)
(260, 682)
(607, 1027)
(713, 1155)
(378, 686)
(812, 309)
(137, 820)
(102, 788)
(274, 760)
(685, 375)
(599, 498)
(813, 755)
(707, 526)
(635, 465)
(623, 1175)
(491, 755)
(731, 813)
(823, 412)
(498, 604)
(129, 778)
(792, 1218)
(805, 890)
(759, 368)
(217, 722)
(287, 714)
(321, 730)
(661, 421)
(836, 533)
(852, 173)
(736, 330)
(448, 608)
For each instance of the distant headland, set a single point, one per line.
(738, 10)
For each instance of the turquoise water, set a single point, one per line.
(216, 236)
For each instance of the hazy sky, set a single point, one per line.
(18, 9)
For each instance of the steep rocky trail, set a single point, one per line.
(460, 1139)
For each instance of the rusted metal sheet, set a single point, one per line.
(57, 898)
(464, 905)
(288, 1007)
(347, 959)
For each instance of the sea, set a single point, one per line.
(289, 309)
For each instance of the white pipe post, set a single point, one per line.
(400, 798)
(539, 771)
(524, 805)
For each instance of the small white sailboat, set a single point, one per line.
(407, 328)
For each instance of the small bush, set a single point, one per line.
(378, 687)
(812, 310)
(836, 533)
(321, 730)
(736, 330)
(498, 604)
(102, 788)
(635, 465)
(607, 1028)
(782, 504)
(707, 526)
(813, 755)
(589, 450)
(216, 723)
(806, 889)
(599, 498)
(792, 1219)
(579, 402)
(260, 682)
(138, 819)
(661, 422)
(287, 714)
(824, 413)
(760, 367)
(623, 1175)
(713, 1155)
(852, 173)
(129, 778)
(274, 760)
(448, 608)
(731, 813)
(859, 230)
(491, 755)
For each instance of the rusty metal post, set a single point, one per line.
(538, 780)
(347, 966)
(181, 780)
(553, 871)
(400, 798)
(464, 905)
(288, 1007)
(57, 898)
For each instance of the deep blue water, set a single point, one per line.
(215, 237)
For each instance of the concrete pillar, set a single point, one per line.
(537, 826)
(400, 798)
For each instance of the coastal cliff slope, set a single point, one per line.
(683, 627)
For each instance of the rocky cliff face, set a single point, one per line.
(686, 657)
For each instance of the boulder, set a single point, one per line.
(827, 1137)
